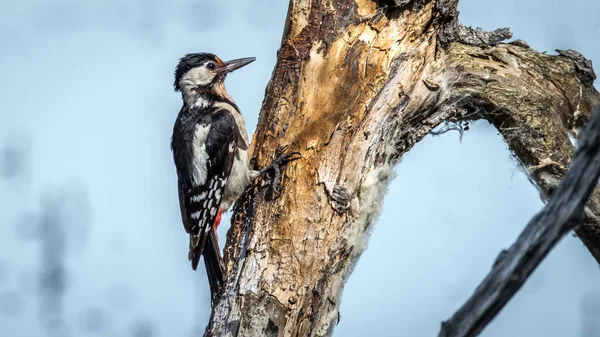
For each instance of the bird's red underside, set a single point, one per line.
(218, 219)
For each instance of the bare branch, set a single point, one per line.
(564, 211)
(537, 102)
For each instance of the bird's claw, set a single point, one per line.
(282, 158)
(277, 165)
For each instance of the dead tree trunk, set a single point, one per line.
(356, 85)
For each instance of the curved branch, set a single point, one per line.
(537, 102)
(513, 267)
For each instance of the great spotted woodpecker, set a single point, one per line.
(210, 149)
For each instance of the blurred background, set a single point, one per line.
(91, 241)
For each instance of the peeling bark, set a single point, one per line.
(356, 85)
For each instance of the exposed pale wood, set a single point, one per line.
(356, 85)
(513, 267)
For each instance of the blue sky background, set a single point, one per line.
(86, 173)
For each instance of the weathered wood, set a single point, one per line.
(513, 267)
(537, 102)
(356, 85)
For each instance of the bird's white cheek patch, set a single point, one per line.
(192, 79)
(198, 76)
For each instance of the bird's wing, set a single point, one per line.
(202, 207)
(200, 195)
(211, 251)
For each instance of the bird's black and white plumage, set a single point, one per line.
(204, 146)
(210, 149)
(209, 145)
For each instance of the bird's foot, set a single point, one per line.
(277, 166)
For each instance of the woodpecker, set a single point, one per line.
(210, 150)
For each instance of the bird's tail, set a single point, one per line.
(214, 265)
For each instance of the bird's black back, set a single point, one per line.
(202, 199)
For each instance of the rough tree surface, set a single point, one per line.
(356, 85)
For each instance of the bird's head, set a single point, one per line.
(204, 70)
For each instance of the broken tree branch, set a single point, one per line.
(563, 212)
(537, 102)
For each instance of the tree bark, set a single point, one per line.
(356, 85)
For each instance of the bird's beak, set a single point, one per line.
(236, 64)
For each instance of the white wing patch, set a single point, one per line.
(200, 155)
(198, 197)
(204, 205)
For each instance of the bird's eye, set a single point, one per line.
(211, 66)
